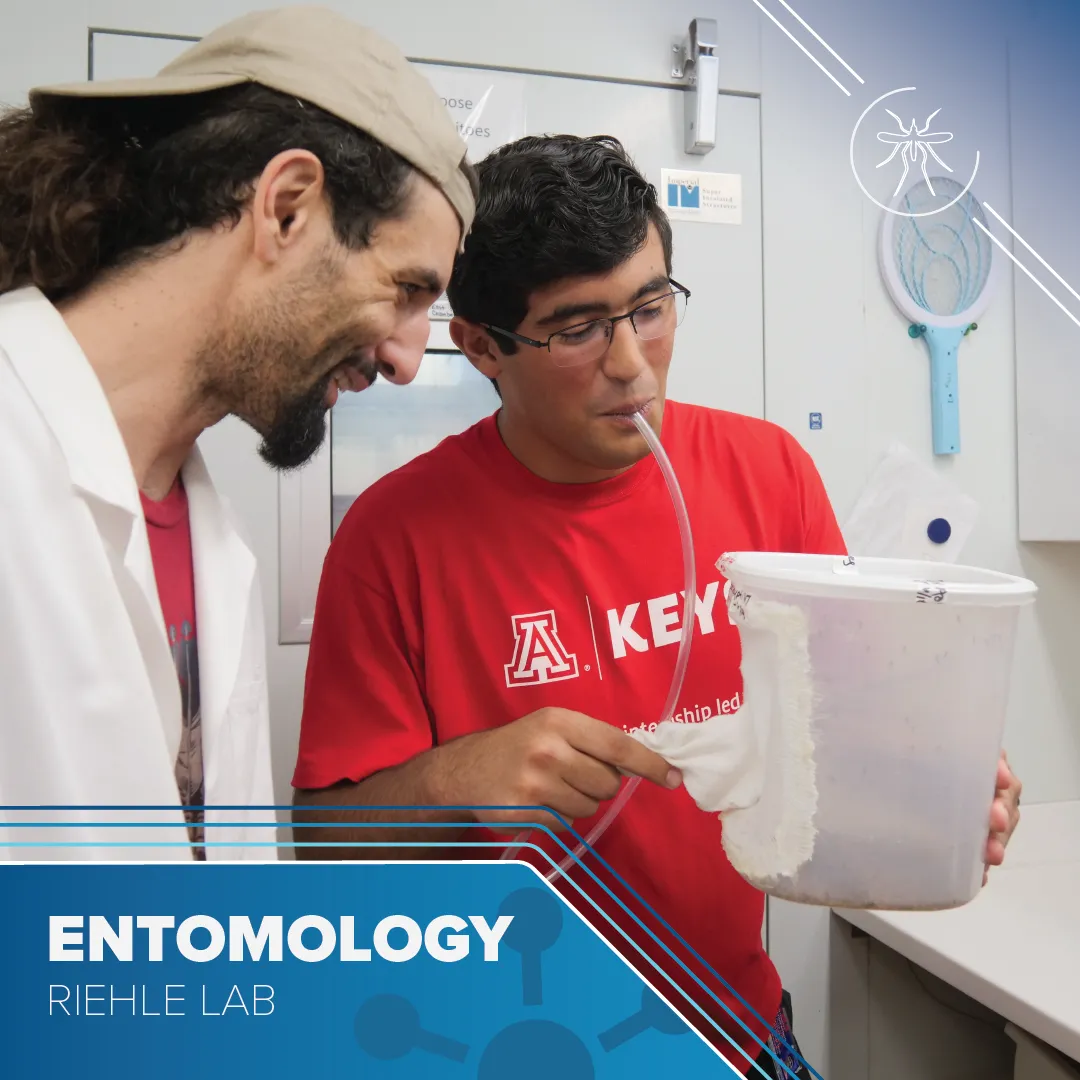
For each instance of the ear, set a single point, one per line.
(288, 208)
(476, 343)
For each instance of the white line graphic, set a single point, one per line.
(1027, 271)
(862, 186)
(910, 142)
(804, 48)
(592, 628)
(1032, 250)
(822, 41)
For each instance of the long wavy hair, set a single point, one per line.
(90, 185)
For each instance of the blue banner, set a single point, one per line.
(455, 970)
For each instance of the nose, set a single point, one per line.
(624, 361)
(398, 356)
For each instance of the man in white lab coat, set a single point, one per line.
(261, 225)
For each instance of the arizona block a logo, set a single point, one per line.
(539, 655)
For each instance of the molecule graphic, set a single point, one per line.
(536, 927)
(388, 1026)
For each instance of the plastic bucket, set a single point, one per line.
(901, 685)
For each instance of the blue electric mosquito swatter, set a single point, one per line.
(937, 264)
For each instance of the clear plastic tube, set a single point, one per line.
(681, 660)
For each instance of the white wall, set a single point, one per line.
(629, 40)
(833, 341)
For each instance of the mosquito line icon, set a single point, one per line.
(910, 142)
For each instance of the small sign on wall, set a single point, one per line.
(713, 198)
(488, 111)
(441, 309)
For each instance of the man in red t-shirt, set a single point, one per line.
(496, 615)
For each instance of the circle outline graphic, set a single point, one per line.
(862, 187)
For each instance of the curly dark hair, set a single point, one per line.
(550, 207)
(88, 185)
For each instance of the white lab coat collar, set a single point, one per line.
(53, 367)
(58, 376)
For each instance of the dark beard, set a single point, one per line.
(298, 430)
(248, 369)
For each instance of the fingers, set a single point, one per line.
(1005, 813)
(1007, 780)
(554, 764)
(563, 800)
(1005, 777)
(1016, 790)
(563, 760)
(999, 816)
(631, 757)
(590, 777)
(572, 804)
(616, 748)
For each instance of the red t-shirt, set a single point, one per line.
(169, 530)
(462, 592)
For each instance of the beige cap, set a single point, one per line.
(326, 59)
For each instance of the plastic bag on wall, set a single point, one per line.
(909, 511)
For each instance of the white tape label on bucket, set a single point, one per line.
(930, 592)
(737, 600)
(846, 565)
(727, 599)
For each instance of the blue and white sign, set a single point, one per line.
(714, 198)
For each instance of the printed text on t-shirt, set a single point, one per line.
(664, 618)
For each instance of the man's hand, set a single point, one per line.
(1004, 815)
(553, 757)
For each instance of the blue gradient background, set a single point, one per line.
(585, 986)
(988, 65)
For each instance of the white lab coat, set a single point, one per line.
(90, 709)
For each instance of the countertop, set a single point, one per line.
(1016, 947)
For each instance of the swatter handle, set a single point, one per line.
(944, 344)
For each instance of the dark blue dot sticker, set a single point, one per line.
(939, 531)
